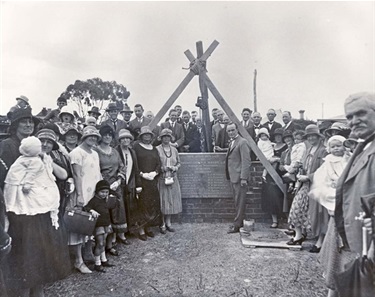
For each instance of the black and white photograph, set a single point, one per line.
(187, 148)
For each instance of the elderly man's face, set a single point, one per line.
(271, 115)
(256, 118)
(361, 118)
(286, 118)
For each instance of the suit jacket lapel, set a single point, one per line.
(361, 161)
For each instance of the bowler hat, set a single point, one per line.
(24, 98)
(312, 130)
(94, 110)
(166, 132)
(112, 106)
(102, 185)
(126, 109)
(49, 135)
(124, 133)
(145, 130)
(90, 131)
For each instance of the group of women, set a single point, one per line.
(144, 178)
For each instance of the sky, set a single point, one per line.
(308, 55)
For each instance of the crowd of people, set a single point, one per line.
(124, 173)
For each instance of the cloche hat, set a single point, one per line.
(145, 130)
(124, 133)
(90, 131)
(49, 135)
(312, 130)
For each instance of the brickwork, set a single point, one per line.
(215, 210)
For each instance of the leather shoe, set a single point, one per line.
(296, 242)
(123, 241)
(82, 268)
(149, 233)
(163, 230)
(142, 237)
(107, 264)
(112, 251)
(314, 249)
(170, 229)
(233, 230)
(99, 268)
(290, 232)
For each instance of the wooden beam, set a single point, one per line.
(204, 94)
(172, 99)
(244, 133)
(209, 51)
(189, 55)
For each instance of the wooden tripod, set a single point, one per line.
(198, 67)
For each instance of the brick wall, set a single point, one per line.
(215, 210)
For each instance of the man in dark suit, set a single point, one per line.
(139, 121)
(177, 130)
(237, 169)
(271, 125)
(222, 140)
(115, 123)
(214, 115)
(288, 122)
(192, 137)
(126, 113)
(247, 122)
(202, 134)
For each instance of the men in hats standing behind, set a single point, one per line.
(53, 115)
(115, 123)
(126, 113)
(237, 170)
(271, 125)
(22, 103)
(177, 129)
(139, 121)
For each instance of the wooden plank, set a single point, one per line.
(247, 242)
(172, 99)
(244, 133)
(204, 94)
(189, 55)
(209, 51)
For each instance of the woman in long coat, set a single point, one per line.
(113, 171)
(133, 184)
(149, 167)
(306, 213)
(169, 187)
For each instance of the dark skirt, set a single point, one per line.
(131, 207)
(39, 252)
(149, 204)
(118, 214)
(272, 197)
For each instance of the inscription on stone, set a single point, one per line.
(203, 176)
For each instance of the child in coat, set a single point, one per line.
(99, 207)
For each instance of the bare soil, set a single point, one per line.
(199, 260)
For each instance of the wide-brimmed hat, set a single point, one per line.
(106, 129)
(278, 131)
(312, 130)
(24, 98)
(342, 128)
(126, 109)
(124, 133)
(49, 135)
(67, 110)
(287, 133)
(53, 127)
(72, 129)
(263, 131)
(166, 132)
(19, 114)
(94, 110)
(145, 130)
(90, 131)
(112, 106)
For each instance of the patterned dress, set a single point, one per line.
(170, 195)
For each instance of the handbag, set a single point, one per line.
(168, 181)
(79, 221)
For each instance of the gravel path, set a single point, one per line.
(199, 260)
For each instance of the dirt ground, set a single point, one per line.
(199, 260)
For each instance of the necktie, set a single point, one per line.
(114, 124)
(186, 126)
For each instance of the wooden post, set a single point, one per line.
(204, 94)
(245, 134)
(255, 90)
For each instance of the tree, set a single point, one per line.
(94, 92)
